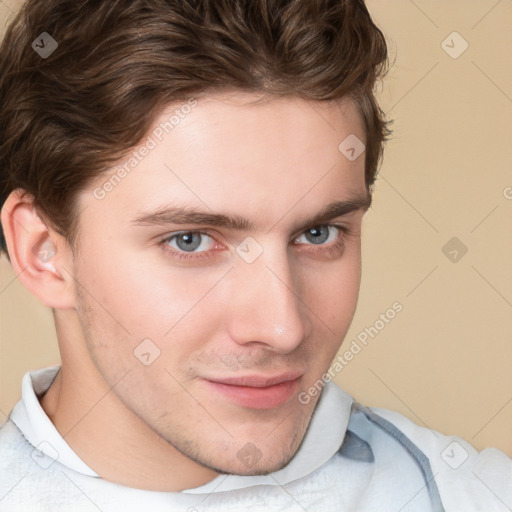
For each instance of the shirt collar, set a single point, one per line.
(36, 426)
(322, 440)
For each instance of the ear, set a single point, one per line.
(40, 257)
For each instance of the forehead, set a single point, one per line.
(238, 153)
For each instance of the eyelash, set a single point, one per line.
(334, 248)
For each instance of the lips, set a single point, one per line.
(257, 391)
(258, 381)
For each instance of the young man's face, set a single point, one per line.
(165, 317)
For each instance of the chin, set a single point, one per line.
(248, 461)
(260, 469)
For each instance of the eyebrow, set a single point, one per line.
(193, 216)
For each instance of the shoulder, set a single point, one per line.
(467, 479)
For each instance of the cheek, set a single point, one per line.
(332, 290)
(144, 293)
(134, 302)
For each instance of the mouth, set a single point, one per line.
(257, 391)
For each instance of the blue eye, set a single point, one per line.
(189, 241)
(320, 234)
(197, 245)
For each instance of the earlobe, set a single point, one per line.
(34, 256)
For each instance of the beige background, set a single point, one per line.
(444, 361)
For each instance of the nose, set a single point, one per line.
(267, 304)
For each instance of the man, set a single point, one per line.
(184, 183)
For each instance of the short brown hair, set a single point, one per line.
(67, 118)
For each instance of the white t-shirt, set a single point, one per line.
(353, 458)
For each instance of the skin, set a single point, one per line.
(160, 427)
